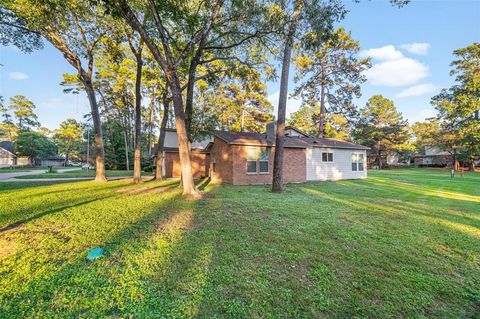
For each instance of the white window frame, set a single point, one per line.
(356, 160)
(257, 155)
(327, 152)
(267, 150)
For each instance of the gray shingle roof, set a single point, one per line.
(245, 138)
(7, 145)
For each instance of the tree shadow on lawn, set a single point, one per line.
(19, 223)
(32, 204)
(81, 287)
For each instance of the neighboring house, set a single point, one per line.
(171, 158)
(434, 157)
(7, 157)
(247, 158)
(55, 160)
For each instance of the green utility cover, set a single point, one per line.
(95, 253)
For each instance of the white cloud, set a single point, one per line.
(403, 71)
(387, 52)
(17, 76)
(292, 104)
(416, 47)
(417, 90)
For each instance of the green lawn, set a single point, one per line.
(400, 244)
(77, 173)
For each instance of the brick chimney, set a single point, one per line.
(271, 129)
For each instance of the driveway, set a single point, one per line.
(10, 176)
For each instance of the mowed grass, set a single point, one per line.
(400, 244)
(78, 173)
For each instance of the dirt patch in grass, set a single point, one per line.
(7, 247)
(177, 221)
(136, 191)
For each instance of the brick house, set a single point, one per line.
(171, 159)
(241, 158)
(247, 158)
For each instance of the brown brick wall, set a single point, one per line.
(294, 167)
(222, 153)
(200, 164)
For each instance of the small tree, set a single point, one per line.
(23, 108)
(68, 137)
(381, 127)
(35, 145)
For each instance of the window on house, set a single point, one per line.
(357, 162)
(327, 157)
(257, 160)
(264, 159)
(252, 158)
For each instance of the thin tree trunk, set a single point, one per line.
(137, 164)
(323, 111)
(97, 128)
(125, 140)
(277, 182)
(150, 124)
(161, 142)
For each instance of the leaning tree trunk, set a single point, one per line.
(161, 142)
(137, 164)
(277, 182)
(182, 136)
(97, 128)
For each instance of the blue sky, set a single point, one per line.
(412, 49)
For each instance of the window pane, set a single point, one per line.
(360, 166)
(251, 166)
(264, 154)
(354, 166)
(360, 158)
(324, 157)
(252, 153)
(354, 158)
(263, 166)
(330, 157)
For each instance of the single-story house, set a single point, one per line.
(247, 158)
(433, 156)
(171, 159)
(7, 157)
(241, 158)
(55, 160)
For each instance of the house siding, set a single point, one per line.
(293, 167)
(340, 168)
(200, 164)
(221, 155)
(6, 158)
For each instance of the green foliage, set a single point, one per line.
(34, 145)
(14, 31)
(459, 106)
(381, 127)
(68, 138)
(23, 108)
(400, 244)
(426, 133)
(330, 71)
